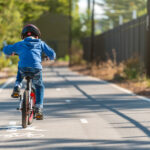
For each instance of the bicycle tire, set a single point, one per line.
(25, 109)
(32, 113)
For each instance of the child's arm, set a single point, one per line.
(9, 49)
(48, 51)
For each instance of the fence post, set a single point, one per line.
(70, 32)
(92, 33)
(148, 40)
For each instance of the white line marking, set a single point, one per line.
(29, 132)
(12, 130)
(84, 121)
(143, 98)
(113, 85)
(130, 92)
(27, 135)
(12, 123)
(6, 83)
(58, 89)
(31, 128)
(122, 89)
(68, 101)
(13, 127)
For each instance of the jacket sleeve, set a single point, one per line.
(9, 49)
(48, 51)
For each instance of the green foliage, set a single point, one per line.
(85, 24)
(58, 6)
(14, 60)
(10, 22)
(31, 9)
(77, 54)
(4, 62)
(66, 58)
(132, 68)
(76, 23)
(13, 14)
(115, 8)
(81, 24)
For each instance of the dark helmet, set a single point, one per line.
(30, 30)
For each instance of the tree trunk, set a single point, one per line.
(92, 32)
(89, 4)
(148, 40)
(70, 31)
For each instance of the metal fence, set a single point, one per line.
(127, 40)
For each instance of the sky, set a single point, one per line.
(83, 7)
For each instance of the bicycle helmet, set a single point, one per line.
(30, 30)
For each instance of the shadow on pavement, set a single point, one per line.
(112, 103)
(80, 105)
(77, 144)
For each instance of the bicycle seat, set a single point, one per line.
(28, 75)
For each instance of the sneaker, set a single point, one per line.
(38, 114)
(16, 92)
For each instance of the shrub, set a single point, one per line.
(110, 70)
(65, 58)
(77, 54)
(4, 62)
(14, 60)
(132, 68)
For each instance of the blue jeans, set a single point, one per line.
(37, 81)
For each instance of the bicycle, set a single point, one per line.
(27, 102)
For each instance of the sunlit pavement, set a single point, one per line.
(80, 113)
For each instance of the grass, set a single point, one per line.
(7, 72)
(8, 67)
(65, 58)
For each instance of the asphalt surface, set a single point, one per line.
(80, 113)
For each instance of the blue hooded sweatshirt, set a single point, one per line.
(30, 52)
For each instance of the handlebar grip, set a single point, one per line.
(14, 54)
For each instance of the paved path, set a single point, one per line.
(81, 113)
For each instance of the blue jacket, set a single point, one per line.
(30, 52)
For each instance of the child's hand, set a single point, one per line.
(4, 43)
(47, 58)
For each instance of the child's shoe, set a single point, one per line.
(16, 92)
(38, 114)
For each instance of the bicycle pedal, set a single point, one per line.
(15, 95)
(39, 117)
(18, 109)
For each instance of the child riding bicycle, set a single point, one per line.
(30, 51)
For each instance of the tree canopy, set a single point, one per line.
(15, 13)
(115, 8)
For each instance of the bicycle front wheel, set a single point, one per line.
(25, 109)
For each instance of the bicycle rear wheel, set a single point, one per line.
(32, 113)
(25, 109)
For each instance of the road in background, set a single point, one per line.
(81, 113)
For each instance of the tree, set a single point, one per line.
(115, 8)
(58, 6)
(92, 31)
(147, 41)
(14, 14)
(10, 21)
(30, 9)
